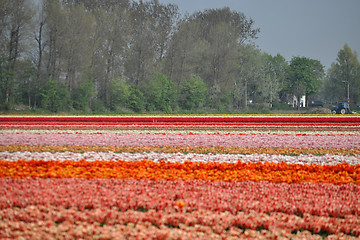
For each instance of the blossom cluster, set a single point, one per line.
(180, 177)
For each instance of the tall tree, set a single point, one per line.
(76, 55)
(55, 31)
(186, 51)
(334, 90)
(109, 46)
(275, 70)
(66, 31)
(214, 35)
(249, 76)
(221, 56)
(152, 25)
(5, 11)
(17, 16)
(343, 79)
(40, 22)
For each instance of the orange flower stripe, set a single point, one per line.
(183, 149)
(272, 172)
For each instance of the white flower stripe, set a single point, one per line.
(181, 157)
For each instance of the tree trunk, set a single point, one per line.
(13, 54)
(298, 103)
(38, 67)
(246, 94)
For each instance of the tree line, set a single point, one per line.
(143, 56)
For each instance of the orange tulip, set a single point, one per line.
(272, 172)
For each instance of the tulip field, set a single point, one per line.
(179, 177)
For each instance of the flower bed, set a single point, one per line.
(180, 177)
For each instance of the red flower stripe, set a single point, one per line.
(206, 124)
(273, 172)
(182, 118)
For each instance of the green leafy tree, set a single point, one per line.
(304, 77)
(136, 100)
(193, 93)
(55, 98)
(120, 92)
(82, 95)
(160, 93)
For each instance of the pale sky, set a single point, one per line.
(315, 29)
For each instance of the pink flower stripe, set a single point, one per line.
(28, 205)
(182, 118)
(181, 139)
(182, 125)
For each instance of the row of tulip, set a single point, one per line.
(172, 139)
(181, 118)
(192, 124)
(268, 171)
(47, 230)
(187, 123)
(145, 228)
(220, 206)
(182, 149)
(317, 199)
(260, 131)
(186, 127)
(327, 159)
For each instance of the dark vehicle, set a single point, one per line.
(316, 104)
(342, 108)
